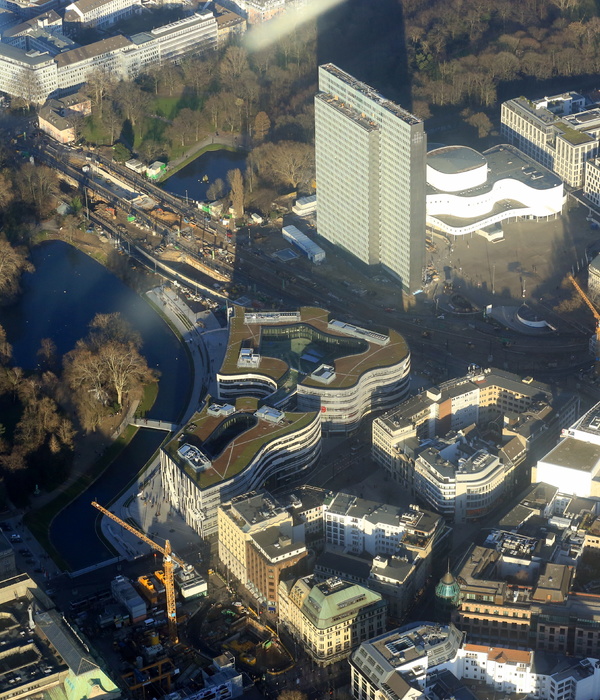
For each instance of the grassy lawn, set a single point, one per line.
(39, 521)
(166, 106)
(148, 399)
(178, 151)
(94, 132)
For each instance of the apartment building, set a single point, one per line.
(258, 539)
(336, 368)
(370, 157)
(556, 131)
(331, 618)
(228, 450)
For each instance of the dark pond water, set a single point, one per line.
(59, 300)
(214, 164)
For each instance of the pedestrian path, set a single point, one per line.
(165, 425)
(144, 503)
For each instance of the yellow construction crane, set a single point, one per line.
(168, 559)
(594, 310)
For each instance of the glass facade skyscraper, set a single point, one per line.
(370, 167)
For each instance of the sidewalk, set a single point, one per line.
(145, 502)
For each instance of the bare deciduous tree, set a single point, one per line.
(13, 262)
(233, 65)
(5, 347)
(286, 163)
(236, 182)
(105, 366)
(36, 185)
(262, 126)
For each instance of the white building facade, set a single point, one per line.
(285, 458)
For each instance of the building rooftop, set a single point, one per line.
(54, 118)
(86, 6)
(254, 509)
(92, 50)
(360, 351)
(277, 545)
(415, 519)
(502, 655)
(405, 413)
(411, 642)
(455, 159)
(331, 601)
(504, 162)
(346, 566)
(371, 93)
(32, 58)
(571, 453)
(229, 443)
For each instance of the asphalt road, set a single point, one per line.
(451, 343)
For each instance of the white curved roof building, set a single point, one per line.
(469, 192)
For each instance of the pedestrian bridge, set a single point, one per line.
(165, 425)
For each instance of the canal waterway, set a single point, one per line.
(213, 164)
(59, 299)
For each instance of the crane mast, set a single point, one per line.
(168, 564)
(596, 314)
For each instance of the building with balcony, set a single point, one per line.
(317, 363)
(227, 450)
(331, 618)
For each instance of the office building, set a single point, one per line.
(573, 466)
(228, 450)
(331, 618)
(54, 70)
(370, 170)
(258, 539)
(556, 131)
(521, 415)
(320, 364)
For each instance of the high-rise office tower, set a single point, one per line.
(370, 165)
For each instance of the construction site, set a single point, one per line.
(162, 636)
